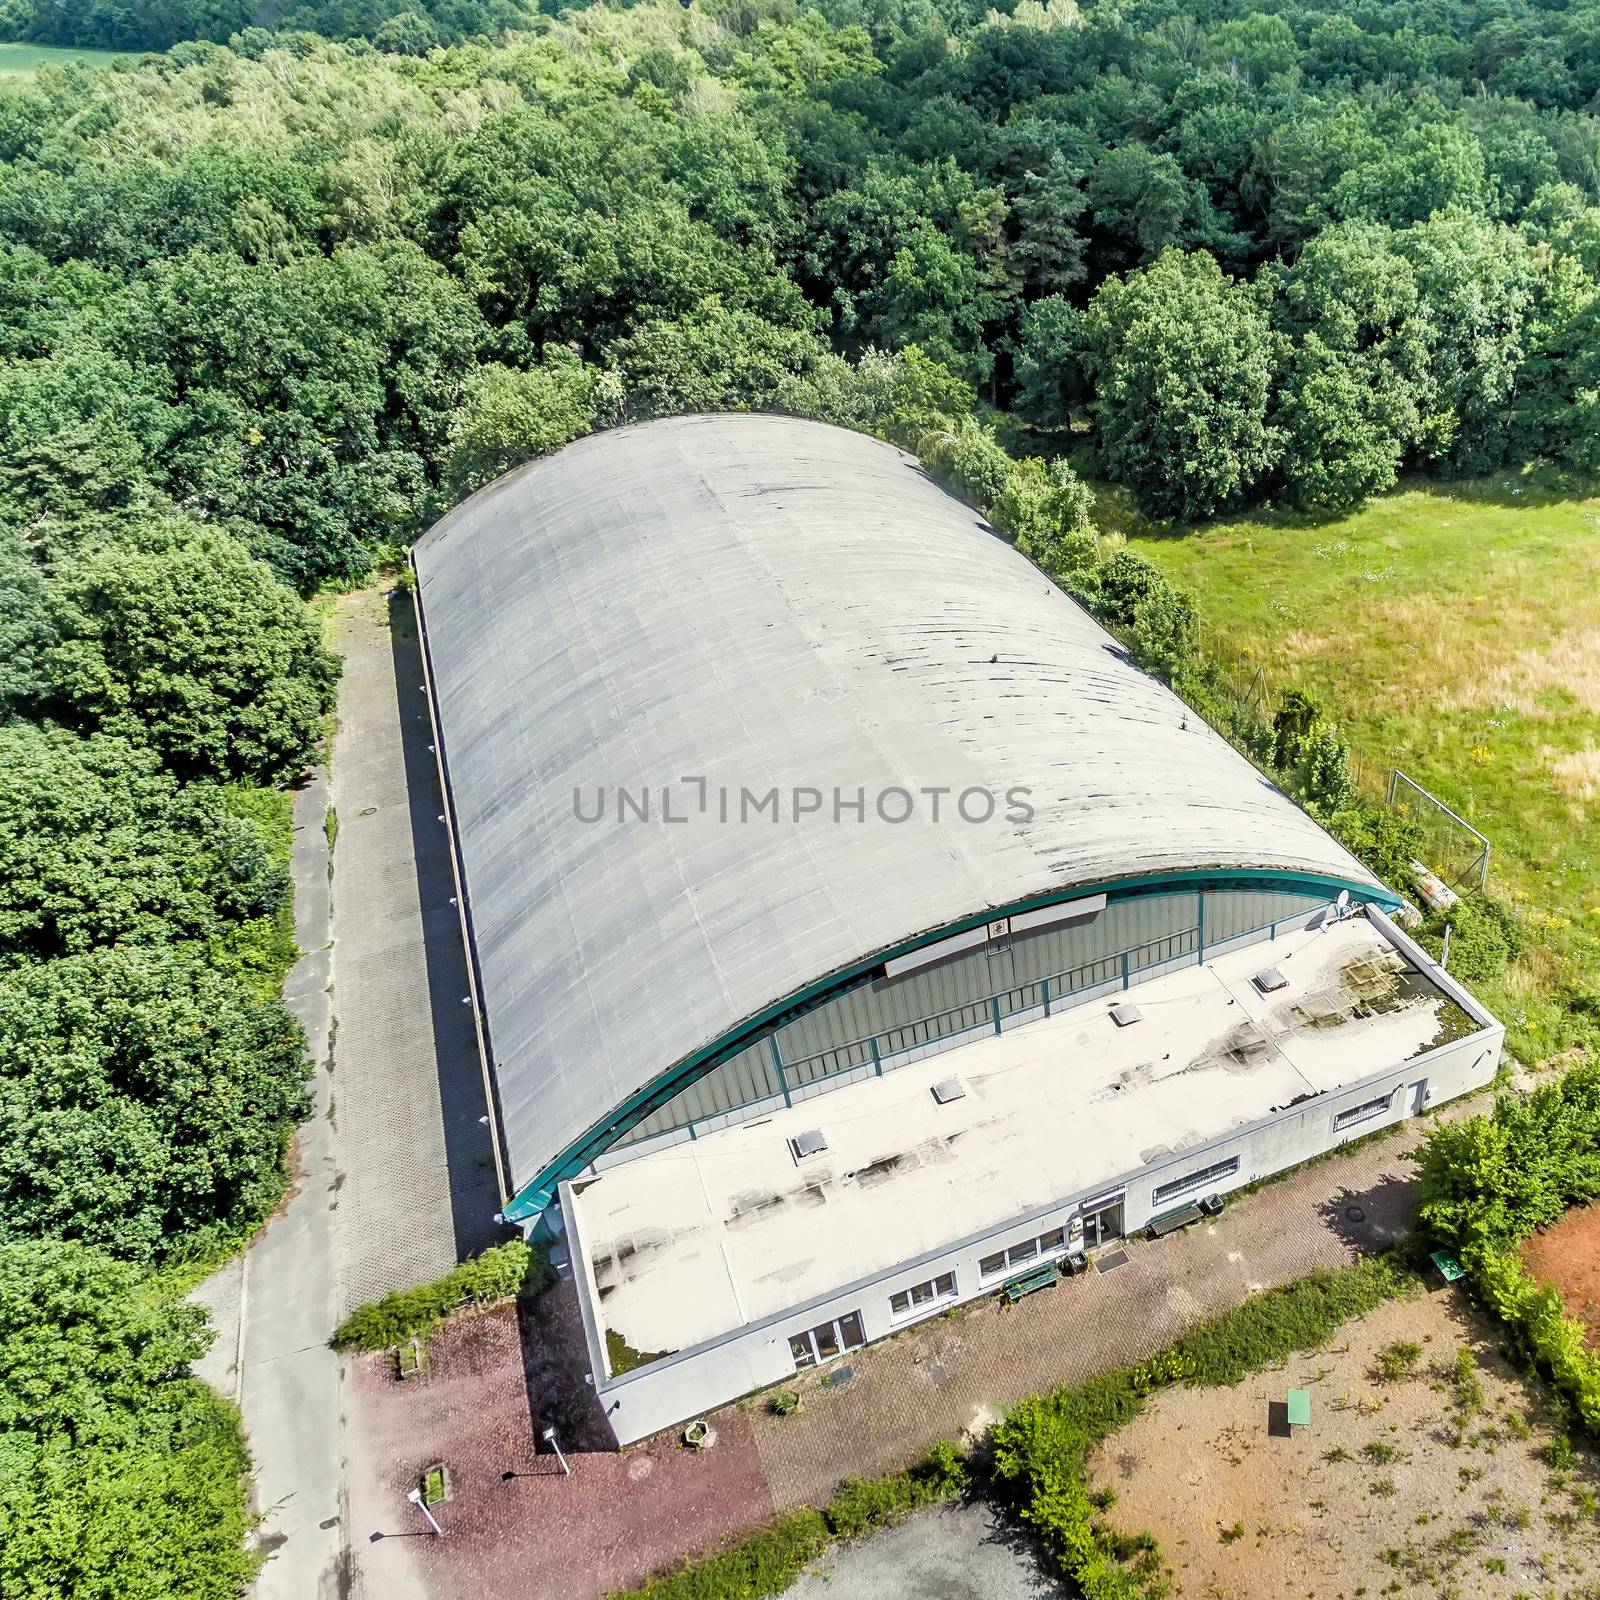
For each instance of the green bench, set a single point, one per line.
(1449, 1268)
(1299, 1408)
(1171, 1221)
(1041, 1277)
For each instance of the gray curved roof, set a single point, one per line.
(759, 601)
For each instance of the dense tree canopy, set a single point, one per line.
(174, 637)
(99, 846)
(120, 1475)
(144, 1102)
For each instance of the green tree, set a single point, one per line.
(1356, 371)
(100, 846)
(145, 1101)
(176, 638)
(714, 359)
(510, 416)
(83, 1341)
(121, 1476)
(1181, 358)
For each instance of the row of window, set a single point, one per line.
(844, 1333)
(1018, 1255)
(1191, 1181)
(1363, 1112)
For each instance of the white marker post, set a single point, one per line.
(415, 1497)
(550, 1439)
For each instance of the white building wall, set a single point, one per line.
(692, 1382)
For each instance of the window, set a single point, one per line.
(826, 1341)
(1363, 1112)
(1020, 1254)
(1195, 1180)
(923, 1294)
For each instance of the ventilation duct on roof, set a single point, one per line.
(810, 1143)
(1126, 1015)
(1269, 980)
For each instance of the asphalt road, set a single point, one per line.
(275, 1305)
(963, 1552)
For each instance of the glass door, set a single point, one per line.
(1102, 1225)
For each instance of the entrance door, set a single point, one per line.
(1419, 1096)
(1102, 1225)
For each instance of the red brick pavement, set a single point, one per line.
(623, 1514)
(516, 1527)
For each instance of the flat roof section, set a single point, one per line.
(692, 1241)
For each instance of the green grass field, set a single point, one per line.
(1452, 630)
(23, 60)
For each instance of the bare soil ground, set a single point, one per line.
(1430, 1468)
(1567, 1257)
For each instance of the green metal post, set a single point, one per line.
(777, 1066)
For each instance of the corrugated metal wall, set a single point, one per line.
(1156, 932)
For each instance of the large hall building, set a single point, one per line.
(854, 928)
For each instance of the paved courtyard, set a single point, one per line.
(622, 1514)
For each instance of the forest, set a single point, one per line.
(277, 297)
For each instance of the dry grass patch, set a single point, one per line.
(1441, 1474)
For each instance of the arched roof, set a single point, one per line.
(762, 602)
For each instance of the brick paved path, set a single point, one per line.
(623, 1514)
(419, 1189)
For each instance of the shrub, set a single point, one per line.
(499, 1272)
(1398, 1360)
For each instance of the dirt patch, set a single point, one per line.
(1567, 1258)
(1436, 1479)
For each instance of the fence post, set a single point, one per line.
(1044, 984)
(877, 1060)
(1124, 969)
(994, 1006)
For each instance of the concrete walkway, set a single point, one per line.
(419, 1190)
(275, 1305)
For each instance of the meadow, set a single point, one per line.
(23, 60)
(1452, 630)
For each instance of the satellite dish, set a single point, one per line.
(1342, 904)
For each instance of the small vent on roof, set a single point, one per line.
(1270, 979)
(1126, 1015)
(948, 1089)
(810, 1143)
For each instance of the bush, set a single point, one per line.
(1485, 937)
(120, 1474)
(515, 1267)
(1299, 1316)
(1489, 1182)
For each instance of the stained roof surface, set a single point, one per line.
(717, 604)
